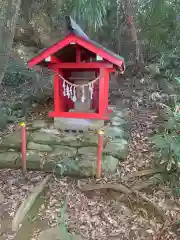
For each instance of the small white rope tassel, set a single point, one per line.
(67, 91)
(91, 90)
(74, 95)
(71, 92)
(64, 88)
(83, 95)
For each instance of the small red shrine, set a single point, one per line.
(82, 70)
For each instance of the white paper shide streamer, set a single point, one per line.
(70, 89)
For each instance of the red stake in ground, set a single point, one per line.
(99, 154)
(23, 146)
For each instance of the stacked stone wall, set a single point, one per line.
(68, 153)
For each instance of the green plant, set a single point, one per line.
(167, 144)
(65, 165)
(62, 221)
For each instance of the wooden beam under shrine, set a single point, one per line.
(79, 115)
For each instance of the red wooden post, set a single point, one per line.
(78, 54)
(61, 96)
(99, 154)
(23, 146)
(58, 93)
(106, 89)
(102, 103)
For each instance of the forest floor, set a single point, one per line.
(105, 213)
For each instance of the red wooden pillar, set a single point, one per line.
(102, 97)
(99, 154)
(106, 88)
(58, 93)
(78, 54)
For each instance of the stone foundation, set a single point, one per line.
(73, 154)
(78, 124)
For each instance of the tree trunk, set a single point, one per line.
(7, 31)
(131, 41)
(26, 12)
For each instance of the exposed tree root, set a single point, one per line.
(28, 202)
(143, 173)
(114, 186)
(127, 192)
(140, 186)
